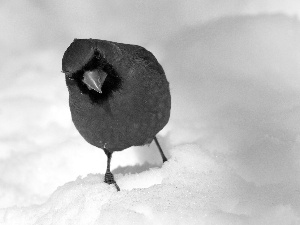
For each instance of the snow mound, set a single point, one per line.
(193, 187)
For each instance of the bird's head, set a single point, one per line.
(85, 63)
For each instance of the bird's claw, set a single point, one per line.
(109, 179)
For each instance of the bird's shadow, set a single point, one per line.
(144, 154)
(135, 169)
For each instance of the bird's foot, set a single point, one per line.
(109, 179)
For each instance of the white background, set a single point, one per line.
(234, 73)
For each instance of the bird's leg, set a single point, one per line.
(164, 158)
(109, 177)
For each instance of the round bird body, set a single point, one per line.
(133, 103)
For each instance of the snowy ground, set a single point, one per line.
(233, 140)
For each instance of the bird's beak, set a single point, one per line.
(94, 79)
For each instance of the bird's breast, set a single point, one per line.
(128, 118)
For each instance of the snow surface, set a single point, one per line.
(193, 187)
(233, 140)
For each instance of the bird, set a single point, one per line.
(119, 95)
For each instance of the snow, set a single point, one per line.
(233, 140)
(193, 187)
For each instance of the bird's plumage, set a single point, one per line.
(135, 101)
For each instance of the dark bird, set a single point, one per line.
(118, 95)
